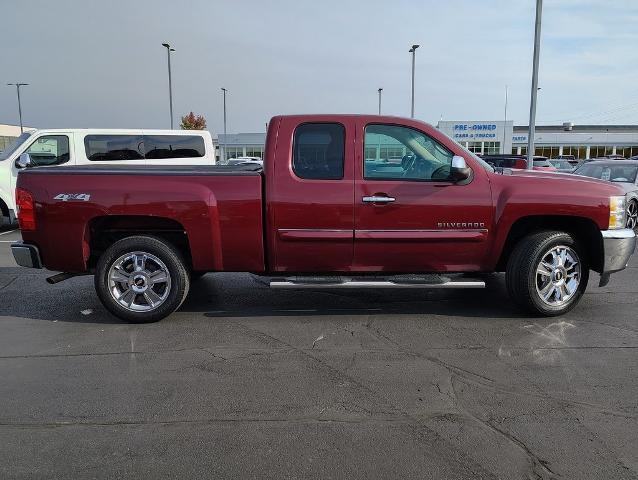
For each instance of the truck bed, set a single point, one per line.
(218, 208)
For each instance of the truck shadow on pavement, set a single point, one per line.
(239, 295)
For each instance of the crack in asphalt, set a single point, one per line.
(539, 468)
(204, 421)
(412, 422)
(9, 282)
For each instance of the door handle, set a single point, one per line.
(378, 199)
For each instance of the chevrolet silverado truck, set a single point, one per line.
(329, 209)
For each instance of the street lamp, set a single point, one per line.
(18, 85)
(169, 49)
(380, 90)
(534, 93)
(413, 52)
(224, 94)
(504, 122)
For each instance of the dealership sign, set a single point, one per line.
(474, 131)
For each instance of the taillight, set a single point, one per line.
(26, 210)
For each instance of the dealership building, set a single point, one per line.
(582, 141)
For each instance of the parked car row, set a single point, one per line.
(518, 161)
(624, 173)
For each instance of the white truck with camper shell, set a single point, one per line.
(73, 147)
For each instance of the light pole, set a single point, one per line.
(380, 90)
(534, 93)
(18, 85)
(505, 121)
(169, 49)
(224, 94)
(413, 52)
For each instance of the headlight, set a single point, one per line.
(617, 212)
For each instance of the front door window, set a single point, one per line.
(400, 153)
(49, 150)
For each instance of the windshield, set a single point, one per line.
(561, 163)
(542, 163)
(14, 146)
(609, 172)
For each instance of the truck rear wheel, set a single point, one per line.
(547, 273)
(141, 279)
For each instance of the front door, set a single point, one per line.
(409, 215)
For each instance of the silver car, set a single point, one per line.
(622, 172)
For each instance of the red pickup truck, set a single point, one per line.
(329, 209)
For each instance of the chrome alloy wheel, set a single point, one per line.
(558, 276)
(139, 281)
(632, 214)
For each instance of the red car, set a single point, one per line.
(326, 211)
(519, 162)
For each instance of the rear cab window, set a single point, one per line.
(173, 146)
(102, 147)
(123, 147)
(319, 151)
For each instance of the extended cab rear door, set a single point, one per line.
(310, 174)
(408, 216)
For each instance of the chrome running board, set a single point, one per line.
(400, 281)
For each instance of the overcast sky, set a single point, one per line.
(101, 63)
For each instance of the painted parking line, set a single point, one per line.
(10, 231)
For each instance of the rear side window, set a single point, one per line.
(173, 146)
(319, 151)
(114, 147)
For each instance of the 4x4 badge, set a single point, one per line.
(70, 197)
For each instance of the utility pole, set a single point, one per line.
(380, 90)
(413, 52)
(505, 122)
(169, 49)
(224, 94)
(534, 93)
(18, 85)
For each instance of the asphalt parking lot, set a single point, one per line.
(245, 382)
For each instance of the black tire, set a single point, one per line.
(521, 274)
(167, 254)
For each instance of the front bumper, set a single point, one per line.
(26, 255)
(618, 246)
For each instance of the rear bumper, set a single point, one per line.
(26, 255)
(618, 246)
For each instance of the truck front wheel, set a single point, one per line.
(141, 279)
(547, 273)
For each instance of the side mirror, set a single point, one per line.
(24, 161)
(459, 170)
